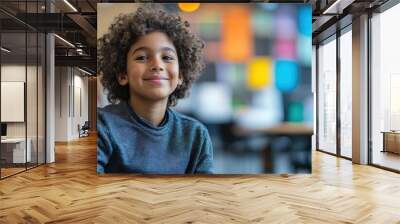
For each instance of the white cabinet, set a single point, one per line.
(18, 149)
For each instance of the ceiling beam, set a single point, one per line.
(88, 29)
(337, 7)
(82, 61)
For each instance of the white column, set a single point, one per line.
(360, 90)
(50, 93)
(50, 109)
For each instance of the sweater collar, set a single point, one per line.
(146, 124)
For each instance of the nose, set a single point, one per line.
(156, 65)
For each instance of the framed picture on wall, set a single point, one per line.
(12, 101)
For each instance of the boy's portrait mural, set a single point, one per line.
(204, 88)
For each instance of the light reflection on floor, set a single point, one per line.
(387, 159)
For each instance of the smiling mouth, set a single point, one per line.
(155, 81)
(151, 79)
(156, 77)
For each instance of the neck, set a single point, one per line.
(151, 111)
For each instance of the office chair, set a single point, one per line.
(84, 130)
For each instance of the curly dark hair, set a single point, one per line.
(113, 48)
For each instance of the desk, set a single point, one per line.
(15, 148)
(285, 128)
(290, 145)
(391, 141)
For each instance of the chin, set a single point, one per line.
(157, 97)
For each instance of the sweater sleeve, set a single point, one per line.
(104, 146)
(205, 162)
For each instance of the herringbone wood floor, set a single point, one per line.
(70, 191)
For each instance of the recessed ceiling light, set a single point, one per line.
(70, 5)
(5, 49)
(84, 71)
(64, 40)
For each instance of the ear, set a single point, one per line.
(180, 79)
(122, 79)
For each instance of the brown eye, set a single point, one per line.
(168, 58)
(140, 58)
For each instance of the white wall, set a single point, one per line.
(61, 103)
(80, 96)
(71, 93)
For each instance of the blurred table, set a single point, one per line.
(285, 128)
(289, 148)
(391, 141)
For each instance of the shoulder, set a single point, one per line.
(112, 111)
(190, 129)
(188, 122)
(111, 117)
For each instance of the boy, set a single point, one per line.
(148, 61)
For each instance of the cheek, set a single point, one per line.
(175, 71)
(134, 70)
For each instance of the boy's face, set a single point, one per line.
(152, 68)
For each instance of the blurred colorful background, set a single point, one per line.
(254, 95)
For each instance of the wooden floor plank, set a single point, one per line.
(70, 191)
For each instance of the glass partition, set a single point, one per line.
(31, 98)
(13, 95)
(327, 96)
(385, 89)
(41, 86)
(346, 93)
(22, 90)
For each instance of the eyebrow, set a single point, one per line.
(147, 49)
